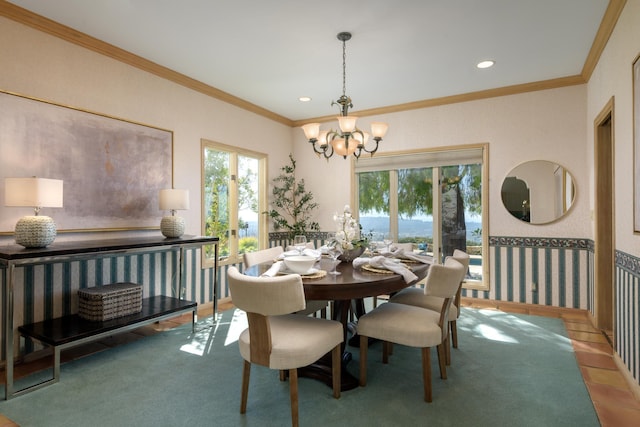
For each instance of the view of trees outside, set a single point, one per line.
(460, 210)
(219, 212)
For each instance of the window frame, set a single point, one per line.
(234, 232)
(434, 157)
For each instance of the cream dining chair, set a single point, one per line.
(414, 326)
(277, 339)
(270, 254)
(417, 297)
(260, 256)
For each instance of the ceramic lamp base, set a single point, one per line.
(35, 231)
(172, 226)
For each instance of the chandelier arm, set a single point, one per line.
(319, 151)
(376, 140)
(328, 149)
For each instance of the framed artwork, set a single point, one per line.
(636, 145)
(112, 169)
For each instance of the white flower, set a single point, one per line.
(348, 230)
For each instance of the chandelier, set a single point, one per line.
(348, 139)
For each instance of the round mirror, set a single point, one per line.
(538, 192)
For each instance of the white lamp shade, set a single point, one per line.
(347, 123)
(174, 199)
(379, 129)
(311, 130)
(360, 139)
(340, 146)
(33, 192)
(322, 138)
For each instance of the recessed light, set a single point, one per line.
(485, 64)
(304, 99)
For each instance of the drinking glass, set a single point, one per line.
(334, 252)
(388, 241)
(300, 243)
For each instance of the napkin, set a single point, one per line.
(402, 254)
(273, 270)
(387, 264)
(308, 252)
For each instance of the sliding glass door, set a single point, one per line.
(398, 201)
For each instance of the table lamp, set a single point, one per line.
(173, 200)
(34, 231)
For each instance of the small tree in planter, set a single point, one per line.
(293, 205)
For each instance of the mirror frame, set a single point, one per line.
(562, 185)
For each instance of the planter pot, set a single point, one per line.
(350, 255)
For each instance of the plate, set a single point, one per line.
(309, 272)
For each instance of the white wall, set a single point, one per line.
(612, 77)
(38, 65)
(545, 125)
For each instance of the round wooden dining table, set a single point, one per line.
(347, 291)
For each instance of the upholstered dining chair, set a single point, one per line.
(264, 255)
(417, 297)
(260, 256)
(414, 326)
(277, 339)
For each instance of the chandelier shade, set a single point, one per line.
(348, 139)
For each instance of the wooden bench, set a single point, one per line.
(65, 332)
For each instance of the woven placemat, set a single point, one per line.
(370, 269)
(410, 261)
(317, 275)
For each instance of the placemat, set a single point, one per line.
(371, 269)
(317, 275)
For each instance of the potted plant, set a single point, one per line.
(292, 205)
(348, 237)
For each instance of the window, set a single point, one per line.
(233, 197)
(398, 201)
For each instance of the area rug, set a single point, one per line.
(509, 370)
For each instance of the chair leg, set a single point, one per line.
(426, 373)
(454, 333)
(293, 392)
(336, 361)
(246, 372)
(283, 375)
(442, 357)
(386, 349)
(447, 350)
(364, 346)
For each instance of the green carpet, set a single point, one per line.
(509, 370)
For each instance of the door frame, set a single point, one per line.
(604, 217)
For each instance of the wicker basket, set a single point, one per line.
(109, 301)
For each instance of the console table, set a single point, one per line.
(71, 330)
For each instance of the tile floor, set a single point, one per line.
(613, 399)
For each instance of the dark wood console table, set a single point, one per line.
(67, 331)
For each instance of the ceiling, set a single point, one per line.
(271, 52)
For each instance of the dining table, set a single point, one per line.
(347, 292)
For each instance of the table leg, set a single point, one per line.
(321, 370)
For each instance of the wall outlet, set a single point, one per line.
(534, 287)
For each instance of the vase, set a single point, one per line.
(351, 254)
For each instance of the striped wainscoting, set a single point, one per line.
(627, 321)
(49, 290)
(554, 272)
(284, 239)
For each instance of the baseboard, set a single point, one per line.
(633, 384)
(520, 307)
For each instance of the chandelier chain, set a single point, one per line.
(344, 68)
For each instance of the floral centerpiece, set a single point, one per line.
(348, 238)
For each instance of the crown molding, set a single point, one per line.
(40, 23)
